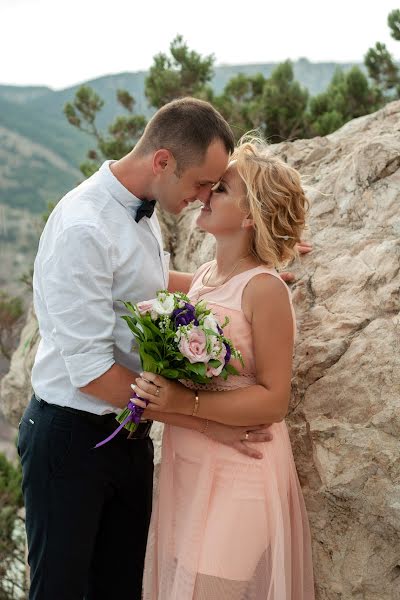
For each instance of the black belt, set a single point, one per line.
(107, 423)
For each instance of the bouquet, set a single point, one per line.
(178, 340)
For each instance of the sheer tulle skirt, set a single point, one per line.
(227, 527)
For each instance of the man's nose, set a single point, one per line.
(204, 194)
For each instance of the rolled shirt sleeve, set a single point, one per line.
(77, 289)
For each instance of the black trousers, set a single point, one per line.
(87, 510)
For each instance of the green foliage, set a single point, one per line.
(381, 65)
(283, 105)
(123, 133)
(394, 24)
(47, 212)
(85, 107)
(183, 73)
(349, 95)
(11, 309)
(381, 68)
(239, 102)
(276, 105)
(27, 278)
(12, 541)
(10, 484)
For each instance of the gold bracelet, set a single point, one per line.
(205, 427)
(196, 403)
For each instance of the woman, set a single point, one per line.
(228, 527)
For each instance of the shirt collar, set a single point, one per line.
(116, 189)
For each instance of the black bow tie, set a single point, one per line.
(146, 209)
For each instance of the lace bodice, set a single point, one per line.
(217, 384)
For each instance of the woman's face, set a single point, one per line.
(222, 213)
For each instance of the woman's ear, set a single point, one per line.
(246, 223)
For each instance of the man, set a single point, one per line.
(88, 510)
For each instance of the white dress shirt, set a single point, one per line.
(91, 255)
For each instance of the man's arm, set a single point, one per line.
(224, 434)
(114, 386)
(77, 285)
(303, 248)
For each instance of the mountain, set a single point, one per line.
(40, 152)
(34, 117)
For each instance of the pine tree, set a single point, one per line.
(182, 73)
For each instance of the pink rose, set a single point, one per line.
(193, 345)
(145, 307)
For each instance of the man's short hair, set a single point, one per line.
(186, 127)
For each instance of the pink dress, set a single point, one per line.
(226, 526)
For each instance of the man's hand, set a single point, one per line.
(239, 437)
(303, 248)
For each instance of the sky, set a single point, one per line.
(59, 43)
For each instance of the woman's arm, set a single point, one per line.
(267, 306)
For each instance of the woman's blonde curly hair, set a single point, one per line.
(275, 201)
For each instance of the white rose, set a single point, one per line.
(218, 350)
(210, 323)
(164, 304)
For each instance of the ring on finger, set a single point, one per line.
(246, 437)
(157, 391)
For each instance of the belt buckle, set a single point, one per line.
(133, 435)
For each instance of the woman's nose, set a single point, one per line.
(204, 194)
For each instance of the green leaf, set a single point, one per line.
(137, 333)
(148, 362)
(170, 373)
(214, 363)
(231, 369)
(198, 368)
(152, 348)
(225, 323)
(149, 323)
(211, 332)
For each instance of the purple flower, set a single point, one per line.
(228, 353)
(184, 315)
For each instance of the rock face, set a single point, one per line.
(344, 419)
(15, 387)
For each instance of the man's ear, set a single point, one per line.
(161, 159)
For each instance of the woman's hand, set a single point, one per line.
(166, 396)
(163, 395)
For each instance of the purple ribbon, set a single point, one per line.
(135, 416)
